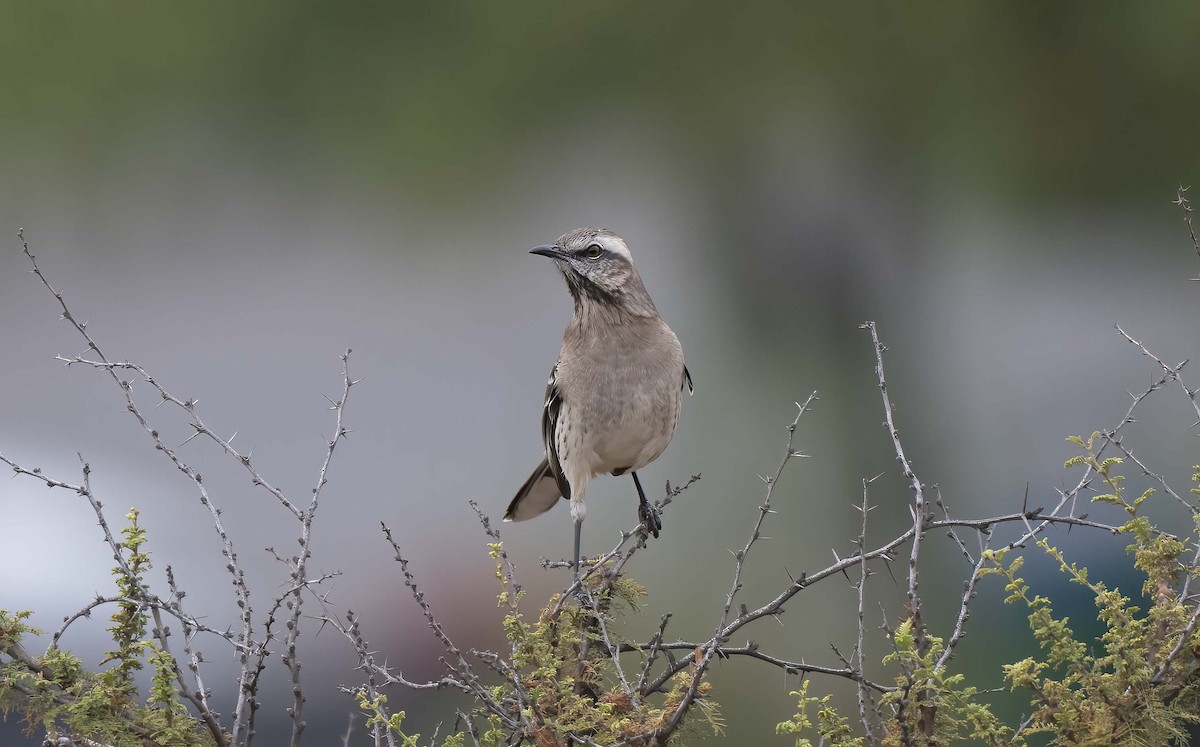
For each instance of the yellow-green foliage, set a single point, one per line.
(832, 727)
(377, 716)
(129, 622)
(929, 705)
(933, 706)
(568, 675)
(62, 697)
(567, 683)
(14, 676)
(1139, 683)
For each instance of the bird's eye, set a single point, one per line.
(593, 251)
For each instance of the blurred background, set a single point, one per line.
(235, 193)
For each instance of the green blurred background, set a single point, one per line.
(235, 192)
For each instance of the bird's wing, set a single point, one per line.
(537, 496)
(687, 381)
(547, 483)
(550, 413)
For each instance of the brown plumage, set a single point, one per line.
(613, 398)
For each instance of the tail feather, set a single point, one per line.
(537, 496)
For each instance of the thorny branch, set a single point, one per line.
(1034, 521)
(232, 566)
(148, 598)
(725, 629)
(299, 563)
(867, 712)
(918, 490)
(696, 656)
(251, 652)
(641, 670)
(920, 520)
(1181, 200)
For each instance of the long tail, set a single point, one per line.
(537, 496)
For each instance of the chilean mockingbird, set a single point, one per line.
(613, 398)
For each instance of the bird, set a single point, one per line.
(613, 398)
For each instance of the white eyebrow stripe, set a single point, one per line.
(615, 245)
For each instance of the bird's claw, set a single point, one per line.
(581, 596)
(650, 517)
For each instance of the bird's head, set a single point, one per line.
(598, 268)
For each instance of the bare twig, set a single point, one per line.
(865, 699)
(655, 646)
(1182, 201)
(460, 666)
(242, 593)
(1172, 373)
(964, 605)
(763, 510)
(194, 658)
(299, 563)
(918, 511)
(724, 628)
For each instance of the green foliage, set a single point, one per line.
(129, 622)
(58, 694)
(1139, 682)
(13, 676)
(566, 676)
(565, 683)
(393, 723)
(933, 706)
(13, 627)
(832, 727)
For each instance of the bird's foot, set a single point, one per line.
(650, 517)
(582, 598)
(580, 591)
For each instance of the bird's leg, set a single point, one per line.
(577, 513)
(578, 528)
(647, 514)
(577, 585)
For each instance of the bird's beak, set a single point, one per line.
(548, 250)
